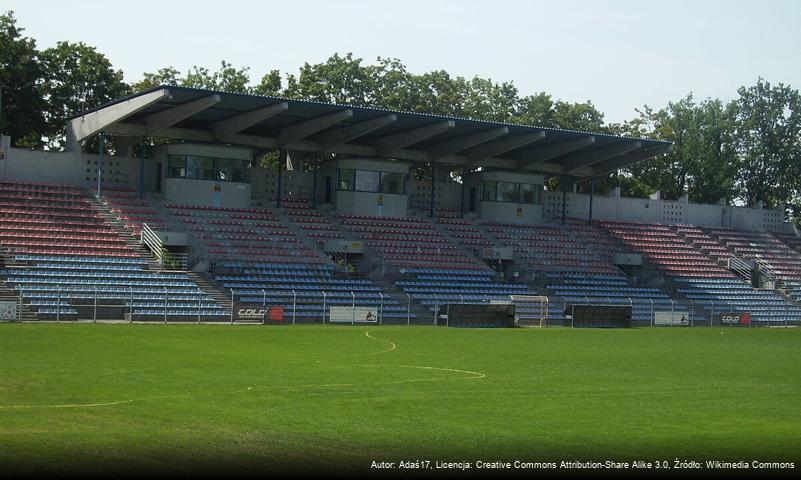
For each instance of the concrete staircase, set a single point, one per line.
(113, 221)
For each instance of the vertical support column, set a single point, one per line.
(563, 182)
(462, 204)
(281, 160)
(592, 194)
(433, 187)
(100, 162)
(314, 188)
(142, 170)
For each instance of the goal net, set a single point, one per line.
(530, 310)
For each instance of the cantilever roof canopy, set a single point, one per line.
(270, 123)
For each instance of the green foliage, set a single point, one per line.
(23, 108)
(768, 131)
(76, 77)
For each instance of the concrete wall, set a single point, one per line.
(294, 184)
(655, 210)
(378, 204)
(67, 168)
(511, 212)
(204, 192)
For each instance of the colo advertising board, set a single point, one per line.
(735, 318)
(353, 315)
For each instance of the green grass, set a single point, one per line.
(252, 398)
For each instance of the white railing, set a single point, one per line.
(170, 260)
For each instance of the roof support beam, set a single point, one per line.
(342, 135)
(558, 149)
(390, 143)
(586, 159)
(240, 122)
(619, 162)
(169, 117)
(91, 123)
(303, 129)
(451, 147)
(477, 156)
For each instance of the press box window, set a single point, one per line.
(393, 183)
(367, 181)
(346, 179)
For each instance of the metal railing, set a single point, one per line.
(167, 259)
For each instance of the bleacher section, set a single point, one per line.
(433, 287)
(305, 292)
(243, 235)
(463, 231)
(313, 223)
(62, 258)
(408, 242)
(790, 239)
(764, 248)
(582, 289)
(133, 211)
(692, 259)
(666, 249)
(722, 295)
(261, 261)
(551, 248)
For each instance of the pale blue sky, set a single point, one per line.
(619, 54)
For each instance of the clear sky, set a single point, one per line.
(619, 54)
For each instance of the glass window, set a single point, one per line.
(528, 193)
(230, 170)
(345, 179)
(488, 191)
(200, 167)
(176, 166)
(507, 192)
(393, 183)
(367, 181)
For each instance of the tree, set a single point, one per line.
(341, 80)
(165, 76)
(768, 129)
(227, 79)
(76, 77)
(270, 84)
(22, 114)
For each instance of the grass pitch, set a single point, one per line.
(185, 398)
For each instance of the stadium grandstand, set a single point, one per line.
(198, 231)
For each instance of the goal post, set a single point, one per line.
(531, 310)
